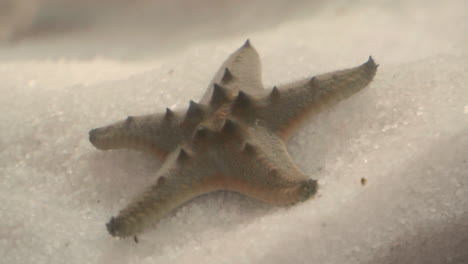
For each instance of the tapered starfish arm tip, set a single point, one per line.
(158, 134)
(181, 178)
(289, 105)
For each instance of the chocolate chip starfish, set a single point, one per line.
(234, 139)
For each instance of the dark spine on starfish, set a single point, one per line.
(275, 95)
(227, 76)
(243, 105)
(313, 82)
(242, 100)
(219, 95)
(161, 181)
(371, 66)
(195, 113)
(183, 156)
(247, 44)
(248, 148)
(201, 133)
(229, 127)
(169, 114)
(129, 120)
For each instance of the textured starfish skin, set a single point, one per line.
(233, 139)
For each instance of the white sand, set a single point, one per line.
(407, 134)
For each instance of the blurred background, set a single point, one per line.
(159, 25)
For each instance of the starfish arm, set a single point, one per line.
(181, 178)
(241, 71)
(264, 170)
(158, 134)
(287, 106)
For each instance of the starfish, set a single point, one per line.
(233, 139)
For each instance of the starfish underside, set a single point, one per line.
(233, 139)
